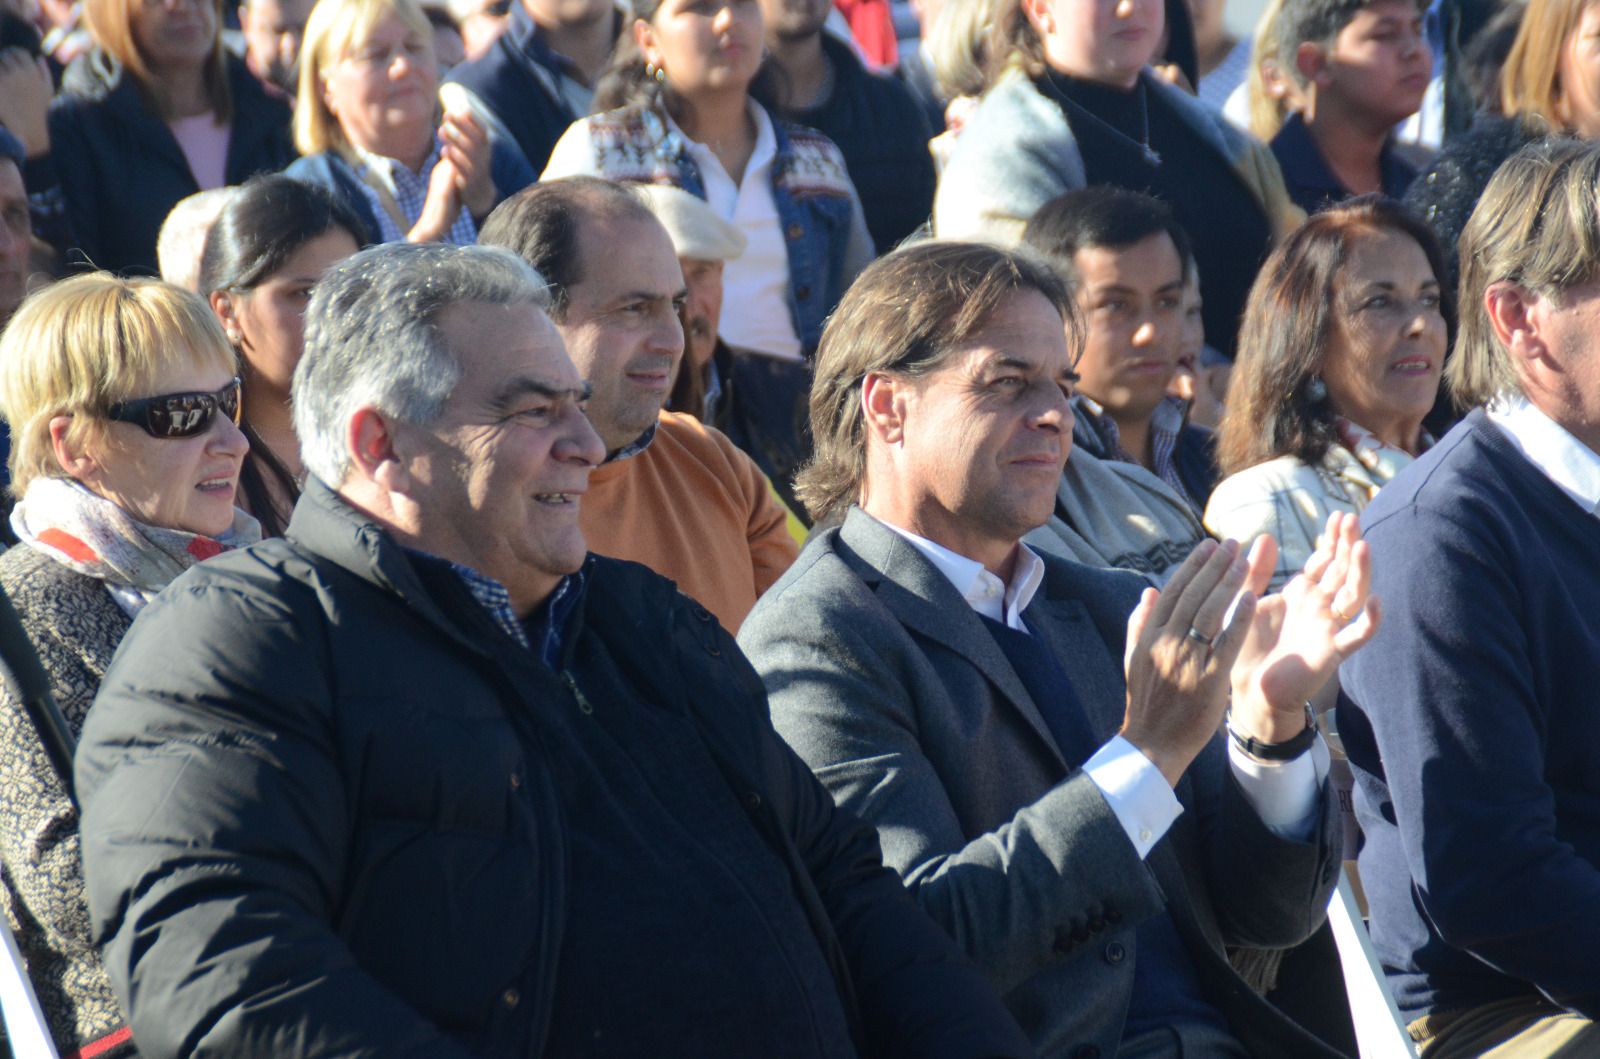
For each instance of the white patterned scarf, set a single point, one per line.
(85, 532)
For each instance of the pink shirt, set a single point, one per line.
(205, 145)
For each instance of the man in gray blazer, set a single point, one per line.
(1087, 836)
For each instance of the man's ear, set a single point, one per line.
(70, 454)
(883, 403)
(1311, 59)
(373, 451)
(1513, 313)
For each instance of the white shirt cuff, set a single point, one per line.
(1136, 790)
(1284, 793)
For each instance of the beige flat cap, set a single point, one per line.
(696, 230)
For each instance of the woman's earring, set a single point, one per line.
(1316, 390)
(652, 70)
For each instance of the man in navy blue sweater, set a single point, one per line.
(1473, 719)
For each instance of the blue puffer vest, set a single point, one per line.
(812, 189)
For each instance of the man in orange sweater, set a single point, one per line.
(673, 494)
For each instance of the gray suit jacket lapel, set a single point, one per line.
(924, 600)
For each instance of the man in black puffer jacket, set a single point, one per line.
(425, 779)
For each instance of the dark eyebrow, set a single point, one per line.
(1005, 363)
(508, 395)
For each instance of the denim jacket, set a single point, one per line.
(817, 204)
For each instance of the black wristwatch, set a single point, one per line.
(1287, 750)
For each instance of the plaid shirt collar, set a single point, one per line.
(548, 626)
(1166, 423)
(636, 446)
(410, 191)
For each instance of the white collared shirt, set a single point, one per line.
(1573, 466)
(1284, 794)
(755, 285)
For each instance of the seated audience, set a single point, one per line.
(1545, 88)
(672, 493)
(1088, 834)
(272, 31)
(539, 76)
(159, 110)
(688, 117)
(367, 122)
(272, 242)
(873, 118)
(121, 401)
(1472, 722)
(1126, 262)
(1073, 106)
(1363, 67)
(1202, 377)
(182, 239)
(435, 782)
(1343, 343)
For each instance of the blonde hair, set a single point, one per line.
(1538, 226)
(1268, 112)
(1529, 81)
(79, 346)
(111, 25)
(333, 30)
(956, 45)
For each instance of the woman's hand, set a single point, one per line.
(440, 208)
(25, 91)
(1298, 638)
(466, 148)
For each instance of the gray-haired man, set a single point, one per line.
(424, 779)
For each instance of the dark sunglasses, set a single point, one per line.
(178, 415)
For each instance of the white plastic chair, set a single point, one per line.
(1380, 1030)
(26, 1031)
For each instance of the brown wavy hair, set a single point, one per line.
(1272, 410)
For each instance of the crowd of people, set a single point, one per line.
(574, 528)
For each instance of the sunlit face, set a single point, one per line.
(499, 477)
(16, 230)
(703, 45)
(1578, 76)
(1106, 41)
(987, 435)
(621, 323)
(1133, 308)
(1379, 64)
(703, 309)
(272, 32)
(177, 483)
(381, 91)
(269, 319)
(1386, 347)
(173, 33)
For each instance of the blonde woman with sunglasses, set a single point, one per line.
(123, 404)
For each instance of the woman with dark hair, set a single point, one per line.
(1340, 353)
(269, 246)
(1073, 103)
(158, 111)
(686, 84)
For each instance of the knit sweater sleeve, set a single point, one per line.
(1457, 689)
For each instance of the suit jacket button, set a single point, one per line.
(511, 998)
(795, 231)
(802, 292)
(1115, 953)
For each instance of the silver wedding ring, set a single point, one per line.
(1199, 637)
